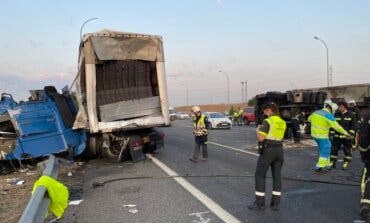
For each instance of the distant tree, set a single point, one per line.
(251, 102)
(232, 110)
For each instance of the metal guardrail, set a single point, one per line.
(38, 205)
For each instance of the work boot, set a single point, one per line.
(333, 165)
(259, 204)
(364, 212)
(320, 171)
(345, 165)
(275, 203)
(193, 160)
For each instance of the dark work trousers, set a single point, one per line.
(338, 144)
(365, 181)
(200, 141)
(295, 131)
(271, 156)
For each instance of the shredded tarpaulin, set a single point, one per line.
(58, 194)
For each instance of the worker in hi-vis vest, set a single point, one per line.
(270, 135)
(321, 121)
(200, 132)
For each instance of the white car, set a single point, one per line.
(182, 115)
(218, 120)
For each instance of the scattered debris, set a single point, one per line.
(133, 211)
(20, 182)
(129, 205)
(15, 181)
(76, 202)
(69, 174)
(80, 163)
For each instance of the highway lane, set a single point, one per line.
(226, 179)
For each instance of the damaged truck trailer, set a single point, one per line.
(121, 93)
(116, 101)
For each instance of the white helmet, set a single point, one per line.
(351, 103)
(195, 109)
(334, 107)
(327, 102)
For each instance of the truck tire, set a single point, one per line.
(92, 147)
(111, 153)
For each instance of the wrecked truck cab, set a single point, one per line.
(40, 126)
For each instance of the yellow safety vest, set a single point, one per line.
(277, 128)
(200, 126)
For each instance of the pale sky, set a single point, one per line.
(268, 43)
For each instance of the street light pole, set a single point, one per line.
(228, 91)
(242, 91)
(327, 60)
(83, 24)
(246, 91)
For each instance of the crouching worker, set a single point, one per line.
(321, 121)
(270, 135)
(200, 132)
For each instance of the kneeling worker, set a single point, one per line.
(270, 135)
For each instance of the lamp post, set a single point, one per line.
(83, 24)
(327, 60)
(242, 91)
(228, 80)
(246, 91)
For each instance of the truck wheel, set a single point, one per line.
(92, 147)
(112, 151)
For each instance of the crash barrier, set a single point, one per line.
(37, 207)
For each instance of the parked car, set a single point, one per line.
(218, 120)
(248, 115)
(182, 115)
(172, 114)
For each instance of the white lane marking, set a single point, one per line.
(208, 202)
(201, 218)
(233, 148)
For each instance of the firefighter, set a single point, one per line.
(321, 121)
(363, 139)
(295, 123)
(353, 107)
(200, 133)
(241, 111)
(236, 117)
(348, 121)
(270, 134)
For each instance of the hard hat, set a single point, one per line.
(352, 102)
(327, 102)
(195, 109)
(334, 107)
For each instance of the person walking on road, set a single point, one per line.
(321, 121)
(363, 139)
(347, 120)
(200, 132)
(270, 135)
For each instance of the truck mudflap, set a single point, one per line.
(37, 128)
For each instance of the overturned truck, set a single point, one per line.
(307, 101)
(115, 103)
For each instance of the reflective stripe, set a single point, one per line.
(348, 119)
(319, 127)
(332, 156)
(277, 193)
(273, 138)
(363, 185)
(352, 131)
(365, 201)
(323, 162)
(261, 194)
(262, 133)
(348, 157)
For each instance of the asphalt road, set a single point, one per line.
(219, 188)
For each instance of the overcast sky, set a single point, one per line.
(268, 43)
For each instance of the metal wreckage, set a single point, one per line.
(118, 97)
